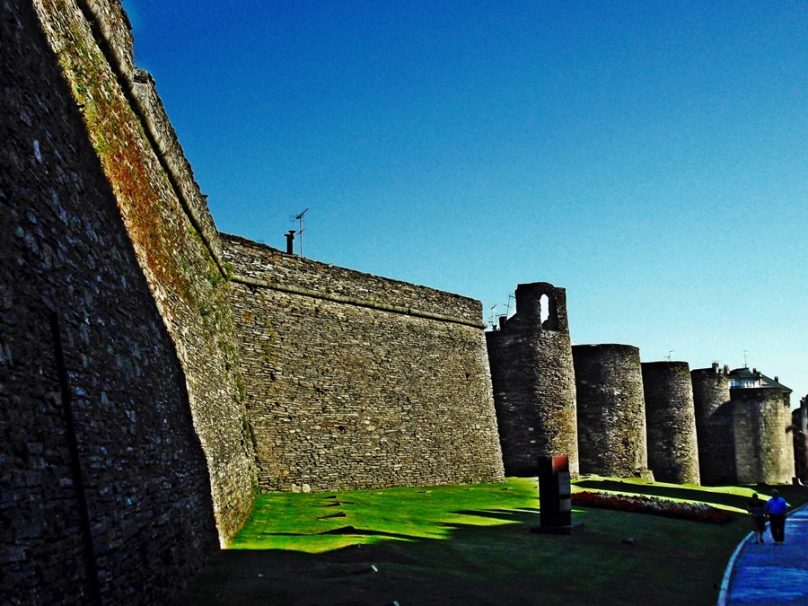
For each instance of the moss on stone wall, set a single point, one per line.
(105, 495)
(151, 182)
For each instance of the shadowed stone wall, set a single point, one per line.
(714, 425)
(764, 449)
(104, 492)
(670, 421)
(611, 410)
(358, 381)
(799, 424)
(167, 221)
(534, 382)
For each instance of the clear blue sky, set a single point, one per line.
(650, 157)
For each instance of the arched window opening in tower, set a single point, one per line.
(547, 315)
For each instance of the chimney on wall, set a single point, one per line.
(290, 242)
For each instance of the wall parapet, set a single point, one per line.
(352, 387)
(113, 35)
(106, 491)
(265, 267)
(174, 237)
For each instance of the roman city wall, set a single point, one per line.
(670, 421)
(534, 380)
(358, 381)
(714, 425)
(762, 431)
(611, 410)
(111, 483)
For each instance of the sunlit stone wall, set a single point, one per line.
(358, 381)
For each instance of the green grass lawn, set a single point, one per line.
(472, 545)
(310, 522)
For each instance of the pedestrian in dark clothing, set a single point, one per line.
(776, 507)
(757, 511)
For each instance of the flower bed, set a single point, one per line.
(699, 512)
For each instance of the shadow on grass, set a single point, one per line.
(344, 530)
(471, 545)
(485, 564)
(520, 515)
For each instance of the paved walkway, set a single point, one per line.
(770, 574)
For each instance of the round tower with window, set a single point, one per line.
(534, 383)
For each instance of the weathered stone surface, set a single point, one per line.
(170, 228)
(799, 424)
(267, 267)
(534, 381)
(670, 422)
(714, 425)
(66, 251)
(351, 380)
(354, 379)
(747, 435)
(764, 449)
(611, 410)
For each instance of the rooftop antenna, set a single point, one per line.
(491, 316)
(745, 364)
(670, 351)
(299, 219)
(508, 305)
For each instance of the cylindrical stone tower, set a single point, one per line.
(764, 449)
(611, 410)
(799, 424)
(533, 380)
(714, 425)
(671, 422)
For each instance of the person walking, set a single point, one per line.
(776, 507)
(757, 511)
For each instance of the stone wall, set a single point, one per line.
(104, 492)
(173, 235)
(764, 450)
(534, 381)
(799, 425)
(670, 421)
(129, 438)
(714, 425)
(358, 381)
(611, 410)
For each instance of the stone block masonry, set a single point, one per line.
(172, 233)
(714, 428)
(799, 428)
(764, 447)
(611, 410)
(534, 380)
(358, 381)
(154, 373)
(105, 495)
(671, 422)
